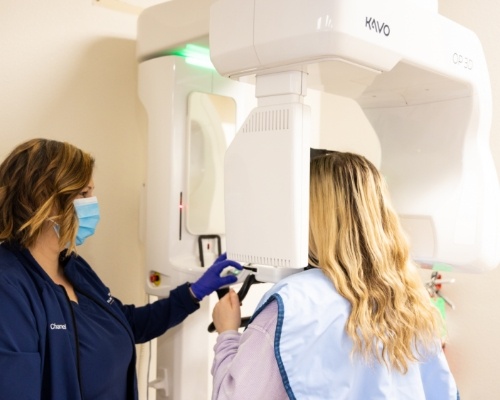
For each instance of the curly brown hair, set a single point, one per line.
(39, 180)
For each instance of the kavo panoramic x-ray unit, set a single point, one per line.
(422, 82)
(420, 79)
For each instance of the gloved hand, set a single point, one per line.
(211, 280)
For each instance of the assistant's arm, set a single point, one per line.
(152, 320)
(244, 365)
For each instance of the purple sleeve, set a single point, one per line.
(245, 367)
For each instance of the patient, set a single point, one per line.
(357, 324)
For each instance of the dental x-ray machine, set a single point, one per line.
(419, 78)
(422, 82)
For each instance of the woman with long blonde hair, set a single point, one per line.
(356, 324)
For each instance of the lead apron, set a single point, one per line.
(313, 350)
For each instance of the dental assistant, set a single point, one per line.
(63, 336)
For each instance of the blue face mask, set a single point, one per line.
(87, 211)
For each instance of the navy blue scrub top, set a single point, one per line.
(105, 351)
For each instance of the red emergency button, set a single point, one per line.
(155, 278)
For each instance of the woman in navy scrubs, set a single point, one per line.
(62, 334)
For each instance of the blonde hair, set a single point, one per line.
(39, 180)
(356, 239)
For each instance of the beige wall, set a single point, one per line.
(474, 348)
(68, 72)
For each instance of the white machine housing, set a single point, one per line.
(167, 83)
(422, 82)
(420, 79)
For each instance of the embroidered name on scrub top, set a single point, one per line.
(57, 326)
(105, 351)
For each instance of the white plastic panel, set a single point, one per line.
(165, 85)
(171, 24)
(211, 124)
(267, 186)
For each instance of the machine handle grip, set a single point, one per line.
(249, 281)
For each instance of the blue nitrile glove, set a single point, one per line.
(211, 280)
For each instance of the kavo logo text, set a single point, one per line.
(379, 27)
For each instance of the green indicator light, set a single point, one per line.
(194, 55)
(440, 304)
(442, 267)
(193, 50)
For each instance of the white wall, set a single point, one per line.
(68, 72)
